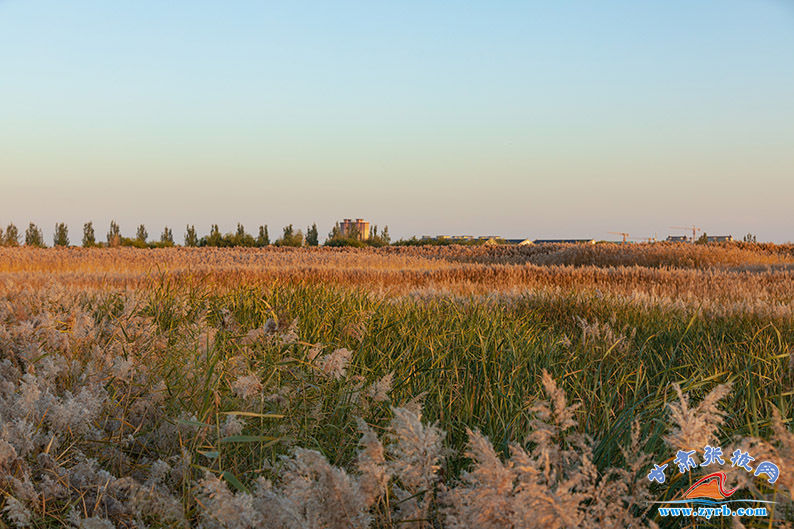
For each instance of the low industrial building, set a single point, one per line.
(564, 241)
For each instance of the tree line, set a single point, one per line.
(34, 236)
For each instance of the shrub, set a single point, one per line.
(214, 238)
(290, 237)
(241, 238)
(344, 241)
(133, 243)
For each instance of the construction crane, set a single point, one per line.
(623, 234)
(694, 229)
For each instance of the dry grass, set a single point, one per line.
(393, 388)
(717, 279)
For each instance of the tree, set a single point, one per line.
(339, 238)
(703, 239)
(12, 236)
(312, 236)
(263, 239)
(214, 238)
(167, 237)
(290, 237)
(114, 234)
(34, 236)
(335, 233)
(379, 239)
(190, 236)
(352, 237)
(88, 235)
(61, 237)
(241, 238)
(141, 235)
(353, 233)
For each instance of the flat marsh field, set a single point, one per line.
(400, 387)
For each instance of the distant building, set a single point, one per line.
(485, 239)
(677, 238)
(719, 238)
(451, 238)
(564, 241)
(358, 228)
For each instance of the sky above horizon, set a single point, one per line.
(519, 119)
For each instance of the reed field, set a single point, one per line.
(397, 387)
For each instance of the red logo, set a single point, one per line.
(711, 486)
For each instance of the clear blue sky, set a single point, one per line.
(538, 119)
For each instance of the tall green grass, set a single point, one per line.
(476, 362)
